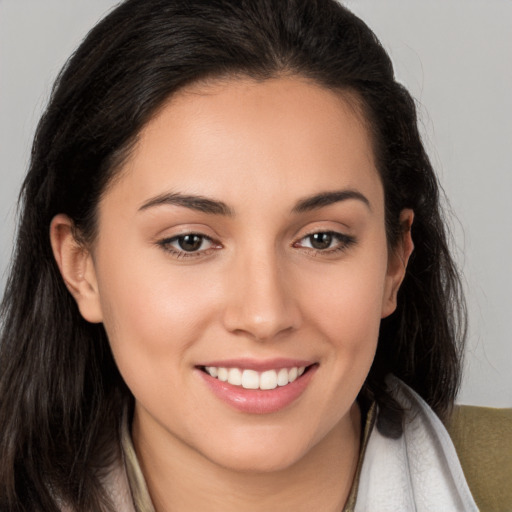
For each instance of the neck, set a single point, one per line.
(179, 479)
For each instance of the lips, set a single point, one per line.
(258, 387)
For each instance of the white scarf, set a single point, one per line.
(419, 471)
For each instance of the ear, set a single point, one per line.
(76, 267)
(397, 263)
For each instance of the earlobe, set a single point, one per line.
(76, 267)
(397, 263)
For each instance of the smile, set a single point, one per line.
(258, 387)
(252, 379)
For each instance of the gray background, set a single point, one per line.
(455, 56)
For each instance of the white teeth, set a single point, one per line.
(282, 377)
(235, 376)
(268, 380)
(251, 379)
(212, 370)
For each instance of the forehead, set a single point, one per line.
(240, 138)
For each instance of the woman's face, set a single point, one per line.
(245, 240)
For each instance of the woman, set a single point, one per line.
(232, 283)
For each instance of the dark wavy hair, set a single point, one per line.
(60, 390)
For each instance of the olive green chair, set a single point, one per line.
(483, 439)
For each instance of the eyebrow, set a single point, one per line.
(327, 198)
(216, 207)
(193, 202)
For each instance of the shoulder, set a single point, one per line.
(483, 440)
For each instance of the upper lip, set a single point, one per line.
(259, 365)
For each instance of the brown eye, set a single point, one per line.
(190, 243)
(326, 242)
(321, 240)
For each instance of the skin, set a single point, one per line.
(255, 289)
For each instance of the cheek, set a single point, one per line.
(345, 308)
(351, 324)
(144, 293)
(347, 302)
(152, 316)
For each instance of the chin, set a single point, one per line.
(263, 463)
(258, 455)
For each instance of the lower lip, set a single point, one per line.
(257, 401)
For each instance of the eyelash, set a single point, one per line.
(344, 242)
(179, 253)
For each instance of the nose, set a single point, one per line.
(261, 303)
